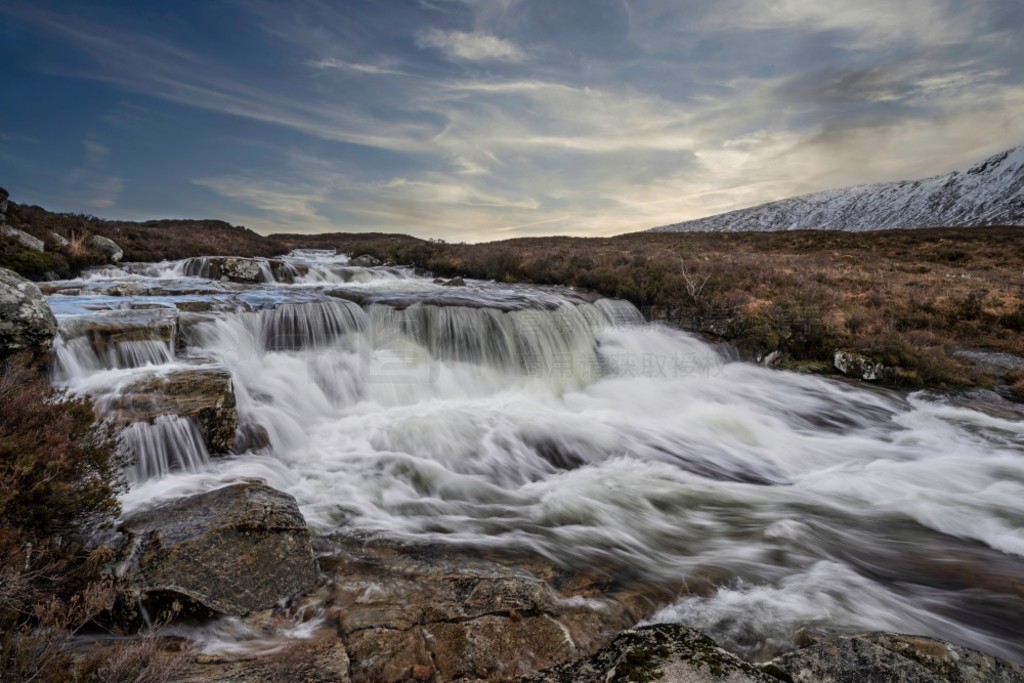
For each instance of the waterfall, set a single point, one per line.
(559, 341)
(169, 444)
(308, 325)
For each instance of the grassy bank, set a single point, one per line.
(909, 299)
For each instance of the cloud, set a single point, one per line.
(695, 108)
(870, 24)
(95, 153)
(342, 65)
(148, 65)
(474, 47)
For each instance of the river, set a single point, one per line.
(545, 421)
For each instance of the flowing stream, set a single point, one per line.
(545, 421)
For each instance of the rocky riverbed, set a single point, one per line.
(344, 470)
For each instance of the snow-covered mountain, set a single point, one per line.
(989, 193)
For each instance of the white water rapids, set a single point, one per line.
(538, 420)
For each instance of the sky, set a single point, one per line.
(478, 120)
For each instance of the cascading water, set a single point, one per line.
(169, 444)
(537, 420)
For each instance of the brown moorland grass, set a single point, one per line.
(907, 298)
(144, 241)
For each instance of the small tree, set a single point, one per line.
(695, 282)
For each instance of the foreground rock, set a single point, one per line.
(236, 550)
(204, 395)
(26, 321)
(109, 247)
(887, 657)
(669, 653)
(439, 614)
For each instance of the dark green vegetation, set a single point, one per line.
(907, 298)
(59, 478)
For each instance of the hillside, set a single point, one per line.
(988, 193)
(148, 240)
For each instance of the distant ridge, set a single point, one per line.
(988, 193)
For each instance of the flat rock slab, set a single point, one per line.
(232, 551)
(889, 658)
(205, 395)
(665, 653)
(442, 614)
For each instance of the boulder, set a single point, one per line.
(455, 282)
(891, 657)
(229, 268)
(23, 237)
(365, 261)
(859, 366)
(26, 321)
(207, 396)
(667, 653)
(232, 551)
(108, 246)
(59, 240)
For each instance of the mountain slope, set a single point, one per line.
(988, 193)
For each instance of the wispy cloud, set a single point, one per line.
(354, 67)
(460, 45)
(582, 116)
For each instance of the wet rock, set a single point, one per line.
(667, 653)
(356, 297)
(251, 437)
(287, 272)
(229, 268)
(108, 246)
(387, 655)
(884, 657)
(365, 261)
(232, 551)
(319, 660)
(207, 396)
(240, 270)
(26, 321)
(127, 338)
(492, 645)
(23, 237)
(441, 615)
(861, 367)
(455, 282)
(195, 306)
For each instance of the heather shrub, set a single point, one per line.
(60, 473)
